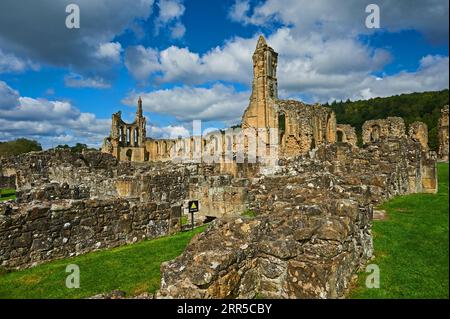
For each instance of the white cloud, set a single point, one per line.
(220, 102)
(50, 122)
(9, 63)
(78, 81)
(239, 11)
(141, 62)
(110, 50)
(343, 18)
(231, 62)
(170, 13)
(178, 30)
(9, 98)
(433, 74)
(171, 131)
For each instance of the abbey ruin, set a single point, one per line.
(313, 200)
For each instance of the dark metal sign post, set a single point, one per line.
(193, 207)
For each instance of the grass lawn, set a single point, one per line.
(132, 268)
(411, 246)
(7, 193)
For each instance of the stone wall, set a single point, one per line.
(418, 131)
(41, 231)
(307, 252)
(346, 133)
(375, 130)
(90, 185)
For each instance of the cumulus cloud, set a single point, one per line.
(231, 62)
(337, 18)
(220, 102)
(38, 32)
(50, 121)
(170, 13)
(171, 131)
(110, 50)
(9, 63)
(78, 81)
(141, 62)
(9, 98)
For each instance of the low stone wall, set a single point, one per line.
(34, 233)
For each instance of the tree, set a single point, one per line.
(19, 146)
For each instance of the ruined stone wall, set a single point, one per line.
(418, 131)
(346, 133)
(305, 127)
(43, 231)
(310, 251)
(91, 169)
(443, 135)
(375, 130)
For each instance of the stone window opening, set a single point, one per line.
(375, 133)
(129, 153)
(281, 125)
(340, 136)
(136, 137)
(128, 136)
(121, 134)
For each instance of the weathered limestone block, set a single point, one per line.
(347, 134)
(418, 131)
(443, 135)
(270, 256)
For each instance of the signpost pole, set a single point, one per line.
(193, 207)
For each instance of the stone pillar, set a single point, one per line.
(443, 135)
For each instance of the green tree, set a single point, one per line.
(18, 146)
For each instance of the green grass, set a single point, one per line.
(249, 213)
(411, 246)
(134, 269)
(7, 193)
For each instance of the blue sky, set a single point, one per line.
(192, 60)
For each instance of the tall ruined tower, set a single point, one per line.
(260, 112)
(140, 122)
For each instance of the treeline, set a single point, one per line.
(424, 107)
(23, 145)
(18, 146)
(77, 148)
